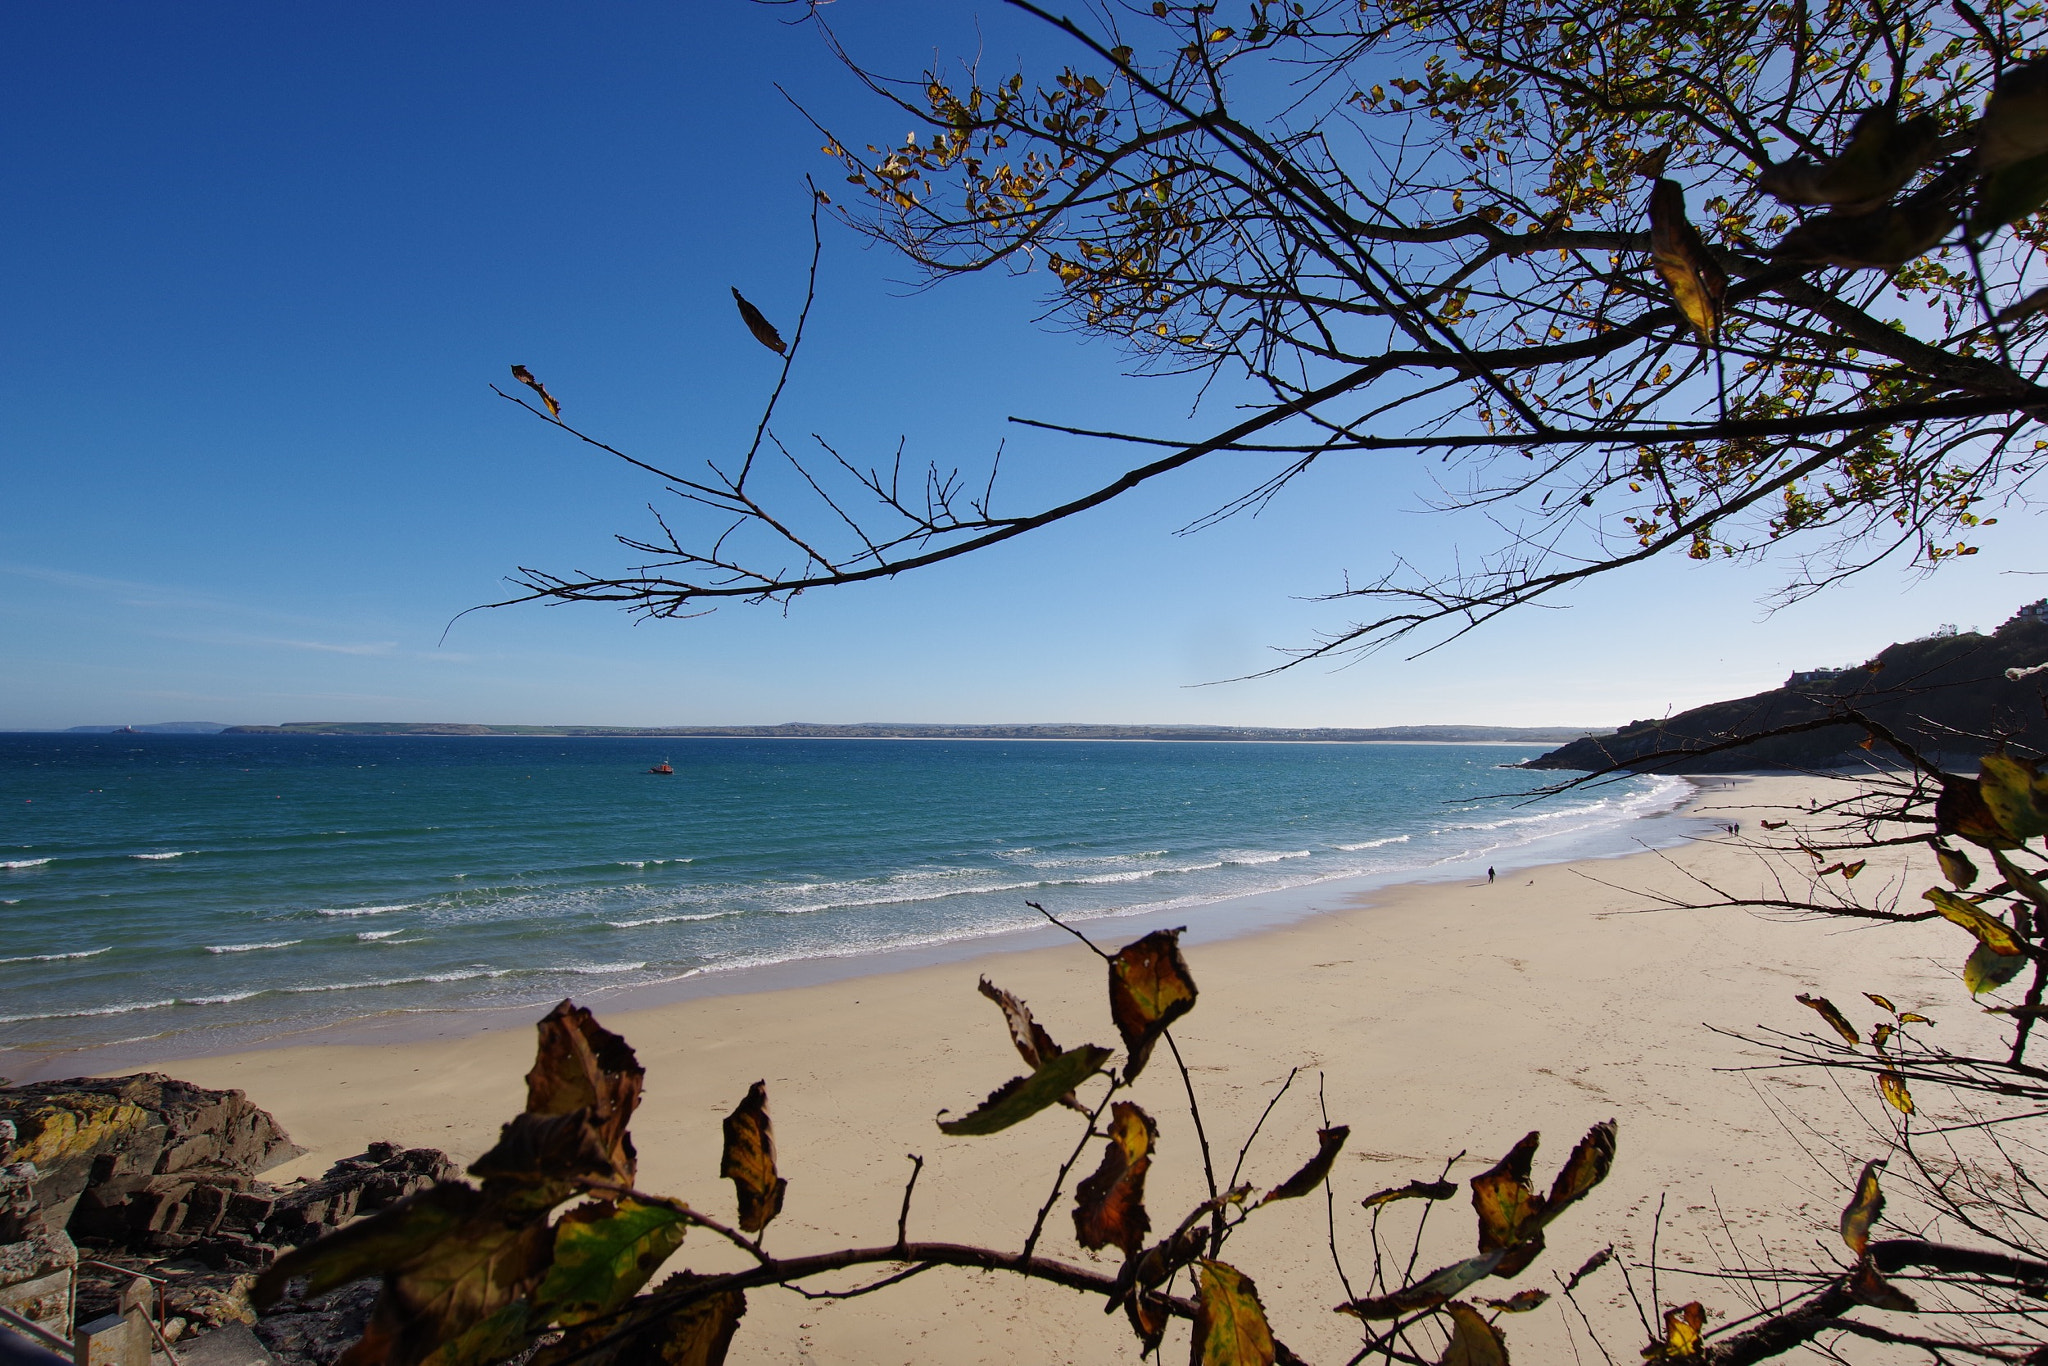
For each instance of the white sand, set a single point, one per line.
(1437, 1018)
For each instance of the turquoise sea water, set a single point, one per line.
(186, 890)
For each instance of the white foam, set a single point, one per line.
(1375, 844)
(125, 1008)
(24, 863)
(55, 957)
(667, 919)
(251, 948)
(364, 910)
(378, 934)
(1245, 858)
(598, 969)
(180, 853)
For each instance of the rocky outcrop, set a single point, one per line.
(1947, 696)
(119, 1135)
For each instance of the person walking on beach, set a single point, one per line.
(1489, 877)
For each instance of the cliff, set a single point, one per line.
(1944, 695)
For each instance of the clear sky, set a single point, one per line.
(260, 263)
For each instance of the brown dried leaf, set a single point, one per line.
(1329, 1143)
(525, 377)
(1521, 1302)
(1676, 250)
(750, 1160)
(1148, 1315)
(1956, 867)
(1033, 1043)
(1881, 1002)
(1586, 1168)
(1893, 1086)
(1149, 988)
(580, 1065)
(1588, 1267)
(1474, 1341)
(1864, 1209)
(1880, 1034)
(1109, 1207)
(1866, 1286)
(763, 330)
(1850, 870)
(1508, 1207)
(1910, 1018)
(1825, 1008)
(1230, 1323)
(649, 1333)
(1424, 1190)
(1960, 810)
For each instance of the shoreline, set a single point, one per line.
(1238, 916)
(1436, 1018)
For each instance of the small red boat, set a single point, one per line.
(663, 769)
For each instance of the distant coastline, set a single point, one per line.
(871, 730)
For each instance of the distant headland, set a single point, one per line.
(880, 730)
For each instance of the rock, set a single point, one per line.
(235, 1345)
(316, 1332)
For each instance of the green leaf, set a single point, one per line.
(1230, 1323)
(604, 1253)
(2017, 793)
(1986, 971)
(2024, 882)
(1428, 1293)
(1022, 1097)
(1149, 988)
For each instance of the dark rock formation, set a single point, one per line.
(1945, 695)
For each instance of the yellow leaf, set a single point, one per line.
(1864, 1210)
(1993, 933)
(1680, 256)
(1825, 1008)
(2017, 793)
(1681, 1334)
(1230, 1323)
(1881, 1002)
(525, 377)
(1894, 1088)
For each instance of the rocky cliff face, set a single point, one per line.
(1946, 695)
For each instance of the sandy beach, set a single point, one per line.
(1434, 1018)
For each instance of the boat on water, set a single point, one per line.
(662, 769)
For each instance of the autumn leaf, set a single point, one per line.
(1676, 250)
(1880, 1035)
(1884, 240)
(1681, 1334)
(1986, 971)
(1428, 1293)
(1880, 157)
(603, 1254)
(581, 1066)
(1992, 932)
(1893, 1088)
(1329, 1143)
(1910, 1018)
(763, 330)
(1956, 867)
(652, 1333)
(2024, 882)
(1504, 1200)
(1147, 1313)
(1864, 1209)
(1866, 1286)
(1033, 1043)
(1109, 1207)
(2015, 124)
(1881, 1002)
(1850, 870)
(1588, 1267)
(2017, 793)
(1961, 810)
(1825, 1008)
(1521, 1302)
(1424, 1190)
(525, 377)
(1230, 1323)
(450, 1259)
(1022, 1097)
(1149, 988)
(1586, 1168)
(1474, 1341)
(750, 1160)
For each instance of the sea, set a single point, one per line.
(186, 894)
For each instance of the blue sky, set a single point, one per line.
(261, 262)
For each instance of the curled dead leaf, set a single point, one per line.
(525, 377)
(763, 330)
(1825, 1008)
(1329, 1142)
(1680, 255)
(1864, 1209)
(1109, 1207)
(1149, 988)
(750, 1160)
